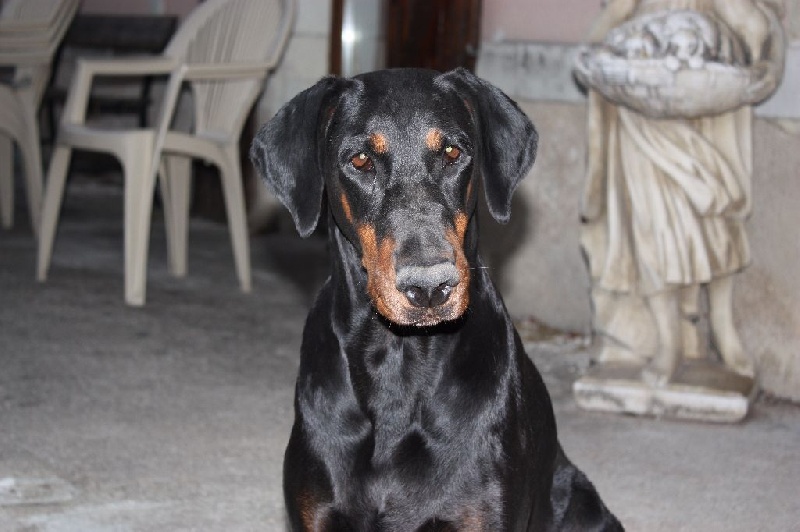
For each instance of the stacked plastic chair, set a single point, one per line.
(30, 33)
(223, 50)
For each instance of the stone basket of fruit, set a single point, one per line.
(676, 64)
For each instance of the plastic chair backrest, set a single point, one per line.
(223, 32)
(34, 28)
(34, 11)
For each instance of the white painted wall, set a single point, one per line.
(558, 21)
(305, 60)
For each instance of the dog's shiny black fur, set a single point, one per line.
(416, 406)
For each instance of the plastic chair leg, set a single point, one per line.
(6, 182)
(176, 181)
(233, 192)
(161, 181)
(139, 190)
(31, 154)
(53, 194)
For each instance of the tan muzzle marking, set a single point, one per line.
(378, 260)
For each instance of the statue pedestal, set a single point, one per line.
(701, 391)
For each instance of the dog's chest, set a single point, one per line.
(397, 388)
(416, 462)
(416, 412)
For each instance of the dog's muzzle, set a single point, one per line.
(428, 286)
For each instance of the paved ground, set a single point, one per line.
(173, 417)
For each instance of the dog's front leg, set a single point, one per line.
(307, 491)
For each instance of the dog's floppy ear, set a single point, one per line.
(286, 151)
(506, 138)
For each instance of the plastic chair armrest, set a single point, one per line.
(88, 69)
(221, 71)
(129, 66)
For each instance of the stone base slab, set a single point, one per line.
(700, 391)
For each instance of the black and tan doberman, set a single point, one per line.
(416, 406)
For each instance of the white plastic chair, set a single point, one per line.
(223, 50)
(30, 32)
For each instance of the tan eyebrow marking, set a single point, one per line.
(379, 142)
(434, 139)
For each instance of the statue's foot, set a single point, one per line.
(612, 354)
(653, 378)
(733, 354)
(738, 361)
(660, 370)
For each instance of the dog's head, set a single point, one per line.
(401, 155)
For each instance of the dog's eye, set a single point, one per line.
(451, 154)
(362, 162)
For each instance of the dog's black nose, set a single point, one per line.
(427, 286)
(419, 297)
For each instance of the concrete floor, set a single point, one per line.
(174, 416)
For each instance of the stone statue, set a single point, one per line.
(669, 174)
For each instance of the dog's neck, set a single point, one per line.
(407, 381)
(379, 354)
